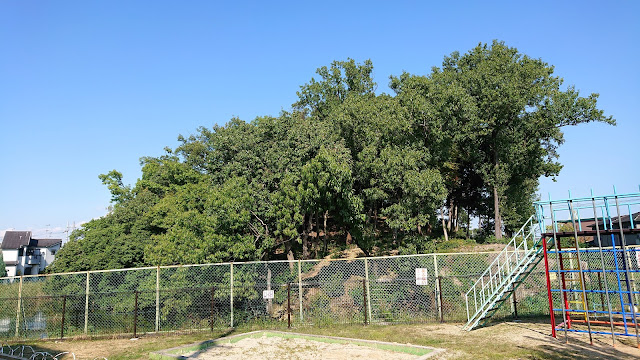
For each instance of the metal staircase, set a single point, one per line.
(503, 276)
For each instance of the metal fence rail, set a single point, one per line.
(200, 297)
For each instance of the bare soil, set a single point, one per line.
(508, 340)
(294, 349)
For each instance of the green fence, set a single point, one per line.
(274, 294)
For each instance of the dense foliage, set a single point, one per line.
(3, 269)
(346, 165)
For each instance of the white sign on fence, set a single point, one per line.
(267, 294)
(421, 276)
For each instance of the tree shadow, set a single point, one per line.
(21, 351)
(574, 346)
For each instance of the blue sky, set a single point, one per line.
(86, 87)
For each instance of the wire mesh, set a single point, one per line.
(273, 294)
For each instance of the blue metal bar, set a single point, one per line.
(621, 196)
(615, 261)
(596, 291)
(595, 251)
(602, 264)
(590, 311)
(625, 265)
(599, 332)
(589, 271)
(570, 209)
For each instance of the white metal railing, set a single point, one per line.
(499, 273)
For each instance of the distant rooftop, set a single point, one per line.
(18, 239)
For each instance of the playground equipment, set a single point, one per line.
(592, 264)
(591, 252)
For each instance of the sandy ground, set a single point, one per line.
(534, 338)
(508, 340)
(281, 348)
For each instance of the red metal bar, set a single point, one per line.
(546, 267)
(564, 284)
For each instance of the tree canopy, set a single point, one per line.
(346, 166)
(3, 269)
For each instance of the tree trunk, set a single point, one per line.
(455, 219)
(496, 212)
(324, 235)
(496, 201)
(305, 241)
(468, 223)
(450, 210)
(375, 219)
(444, 227)
(290, 256)
(317, 242)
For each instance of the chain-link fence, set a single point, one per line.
(270, 294)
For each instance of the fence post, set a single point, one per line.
(19, 305)
(440, 300)
(213, 289)
(231, 293)
(515, 304)
(135, 316)
(289, 305)
(437, 290)
(158, 298)
(86, 306)
(300, 287)
(366, 276)
(64, 310)
(364, 303)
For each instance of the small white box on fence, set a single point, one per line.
(267, 294)
(421, 276)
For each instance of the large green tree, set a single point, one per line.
(346, 165)
(507, 113)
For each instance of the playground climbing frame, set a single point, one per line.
(592, 263)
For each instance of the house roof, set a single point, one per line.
(14, 240)
(623, 219)
(44, 243)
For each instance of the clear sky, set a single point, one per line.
(91, 86)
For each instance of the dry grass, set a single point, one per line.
(509, 340)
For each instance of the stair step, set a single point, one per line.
(504, 283)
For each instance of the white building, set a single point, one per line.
(24, 255)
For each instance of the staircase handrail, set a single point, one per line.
(500, 262)
(504, 251)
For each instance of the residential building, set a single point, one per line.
(24, 255)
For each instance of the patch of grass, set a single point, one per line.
(525, 340)
(390, 347)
